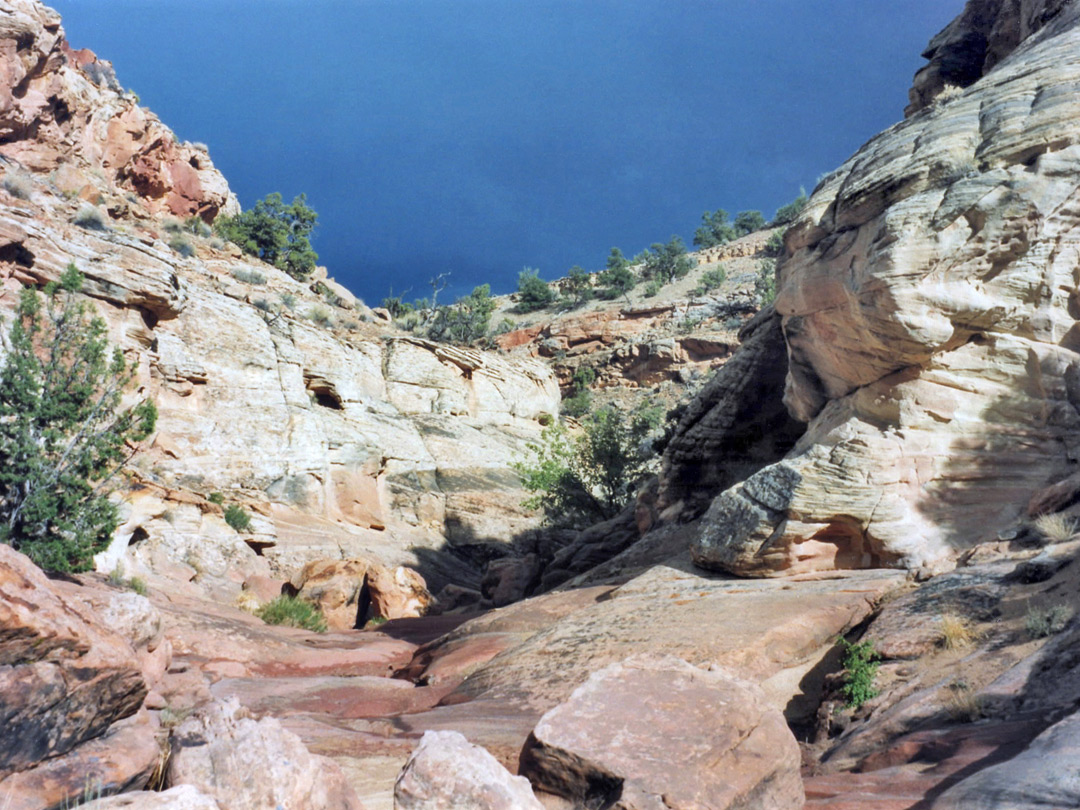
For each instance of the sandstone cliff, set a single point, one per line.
(927, 303)
(343, 436)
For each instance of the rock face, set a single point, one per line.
(68, 683)
(243, 763)
(337, 433)
(927, 305)
(350, 592)
(447, 772)
(655, 733)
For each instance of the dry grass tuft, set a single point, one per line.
(248, 602)
(1055, 528)
(963, 704)
(957, 633)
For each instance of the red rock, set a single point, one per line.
(447, 771)
(655, 733)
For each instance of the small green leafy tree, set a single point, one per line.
(277, 233)
(665, 262)
(714, 229)
(533, 292)
(748, 222)
(466, 320)
(583, 480)
(861, 662)
(580, 400)
(787, 214)
(578, 286)
(63, 433)
(765, 283)
(617, 277)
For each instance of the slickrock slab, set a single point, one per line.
(655, 733)
(243, 763)
(1045, 775)
(447, 772)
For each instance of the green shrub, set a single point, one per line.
(182, 246)
(320, 315)
(584, 480)
(289, 300)
(63, 433)
(714, 229)
(765, 283)
(711, 280)
(775, 246)
(578, 286)
(196, 227)
(291, 611)
(464, 321)
(90, 218)
(617, 278)
(1041, 623)
(652, 289)
(237, 518)
(276, 233)
(787, 214)
(861, 662)
(748, 222)
(248, 276)
(216, 497)
(667, 261)
(533, 292)
(545, 420)
(577, 404)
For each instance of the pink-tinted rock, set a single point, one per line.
(181, 797)
(349, 592)
(397, 593)
(655, 733)
(243, 763)
(447, 772)
(266, 589)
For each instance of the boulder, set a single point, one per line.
(350, 592)
(447, 772)
(181, 797)
(248, 764)
(655, 733)
(65, 677)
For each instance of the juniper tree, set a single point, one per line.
(63, 432)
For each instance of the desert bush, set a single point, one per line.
(18, 185)
(196, 227)
(589, 478)
(711, 280)
(787, 214)
(237, 518)
(182, 246)
(861, 662)
(216, 497)
(578, 287)
(466, 320)
(1043, 622)
(289, 300)
(277, 233)
(63, 433)
(533, 292)
(748, 222)
(248, 276)
(765, 283)
(617, 278)
(320, 315)
(714, 229)
(1055, 528)
(652, 289)
(667, 261)
(90, 218)
(291, 611)
(775, 246)
(963, 704)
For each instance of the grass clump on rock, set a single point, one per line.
(237, 518)
(292, 611)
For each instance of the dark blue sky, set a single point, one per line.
(482, 136)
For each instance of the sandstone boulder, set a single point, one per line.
(181, 797)
(248, 764)
(655, 733)
(447, 772)
(65, 678)
(350, 592)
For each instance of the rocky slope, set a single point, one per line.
(341, 435)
